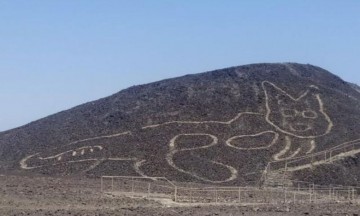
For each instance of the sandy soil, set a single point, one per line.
(40, 196)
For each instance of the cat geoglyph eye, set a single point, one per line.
(289, 112)
(309, 114)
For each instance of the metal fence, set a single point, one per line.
(155, 187)
(307, 161)
(160, 187)
(266, 195)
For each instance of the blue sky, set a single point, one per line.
(58, 54)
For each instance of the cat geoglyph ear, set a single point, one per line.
(275, 95)
(312, 98)
(273, 92)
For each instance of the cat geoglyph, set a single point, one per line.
(296, 120)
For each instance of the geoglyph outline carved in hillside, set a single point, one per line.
(172, 145)
(174, 150)
(25, 166)
(239, 115)
(273, 141)
(286, 105)
(305, 94)
(327, 156)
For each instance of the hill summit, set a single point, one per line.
(220, 127)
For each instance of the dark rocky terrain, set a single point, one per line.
(221, 127)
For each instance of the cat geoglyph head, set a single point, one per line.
(302, 117)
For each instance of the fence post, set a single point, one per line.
(112, 184)
(337, 195)
(312, 161)
(325, 156)
(175, 194)
(268, 170)
(216, 196)
(101, 183)
(286, 165)
(285, 201)
(294, 197)
(269, 167)
(132, 186)
(310, 193)
(313, 189)
(149, 185)
(191, 198)
(239, 195)
(330, 158)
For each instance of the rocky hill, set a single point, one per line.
(220, 127)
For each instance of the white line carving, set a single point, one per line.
(101, 137)
(173, 150)
(282, 92)
(285, 150)
(203, 122)
(59, 156)
(296, 123)
(337, 157)
(312, 147)
(276, 100)
(275, 139)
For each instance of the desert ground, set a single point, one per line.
(43, 195)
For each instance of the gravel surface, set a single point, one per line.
(40, 196)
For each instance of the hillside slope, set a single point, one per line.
(222, 126)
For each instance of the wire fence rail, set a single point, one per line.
(276, 172)
(311, 160)
(162, 188)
